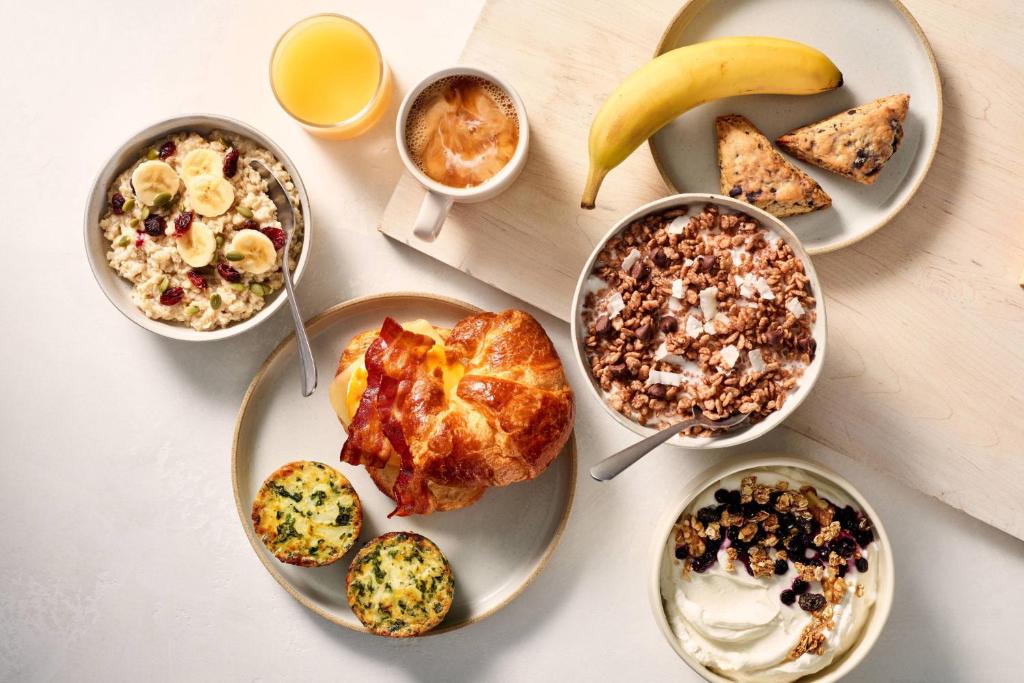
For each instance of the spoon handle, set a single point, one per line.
(614, 465)
(301, 338)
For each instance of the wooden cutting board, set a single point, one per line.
(925, 374)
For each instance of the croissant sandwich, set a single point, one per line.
(437, 416)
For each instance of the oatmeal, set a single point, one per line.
(192, 227)
(705, 309)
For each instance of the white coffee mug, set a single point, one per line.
(440, 197)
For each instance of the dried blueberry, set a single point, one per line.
(788, 597)
(722, 496)
(706, 515)
(682, 552)
(861, 564)
(864, 537)
(843, 546)
(800, 586)
(703, 563)
(841, 570)
(812, 602)
(736, 191)
(781, 567)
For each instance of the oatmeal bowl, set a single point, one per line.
(699, 302)
(771, 568)
(181, 233)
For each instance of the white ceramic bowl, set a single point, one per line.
(116, 288)
(743, 433)
(883, 563)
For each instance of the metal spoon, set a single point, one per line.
(614, 465)
(286, 214)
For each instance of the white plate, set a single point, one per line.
(496, 546)
(881, 51)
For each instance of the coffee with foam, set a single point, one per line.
(462, 130)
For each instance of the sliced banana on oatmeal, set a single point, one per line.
(256, 252)
(199, 162)
(197, 245)
(155, 183)
(211, 195)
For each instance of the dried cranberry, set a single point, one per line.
(197, 280)
(682, 552)
(812, 602)
(250, 224)
(140, 240)
(117, 203)
(155, 225)
(228, 273)
(276, 236)
(861, 564)
(172, 296)
(788, 597)
(183, 222)
(231, 163)
(167, 149)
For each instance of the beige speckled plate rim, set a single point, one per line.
(693, 7)
(353, 306)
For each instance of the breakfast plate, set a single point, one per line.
(496, 547)
(881, 51)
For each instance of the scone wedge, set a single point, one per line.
(751, 170)
(855, 143)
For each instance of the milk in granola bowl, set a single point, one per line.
(190, 225)
(770, 573)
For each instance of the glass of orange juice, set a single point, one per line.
(328, 73)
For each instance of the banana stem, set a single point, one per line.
(594, 178)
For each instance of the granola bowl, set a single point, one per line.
(192, 280)
(755, 612)
(699, 300)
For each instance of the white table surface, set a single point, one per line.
(122, 554)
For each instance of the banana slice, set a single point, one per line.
(211, 195)
(198, 245)
(155, 182)
(255, 249)
(203, 161)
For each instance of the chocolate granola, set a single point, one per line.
(708, 309)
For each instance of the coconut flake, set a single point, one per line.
(763, 289)
(615, 305)
(709, 327)
(631, 259)
(675, 304)
(709, 302)
(688, 262)
(677, 289)
(756, 360)
(730, 354)
(665, 356)
(693, 327)
(746, 284)
(795, 307)
(677, 226)
(670, 379)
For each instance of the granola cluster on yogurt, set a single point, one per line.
(192, 227)
(698, 308)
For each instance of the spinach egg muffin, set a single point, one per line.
(400, 585)
(307, 514)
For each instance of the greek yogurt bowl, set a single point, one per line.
(744, 616)
(104, 248)
(699, 300)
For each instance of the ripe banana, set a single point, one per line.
(197, 245)
(155, 179)
(255, 248)
(210, 195)
(202, 161)
(681, 79)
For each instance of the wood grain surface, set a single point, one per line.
(925, 374)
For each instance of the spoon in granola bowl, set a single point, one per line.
(616, 464)
(286, 214)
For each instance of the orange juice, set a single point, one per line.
(328, 73)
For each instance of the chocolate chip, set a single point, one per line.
(771, 337)
(668, 324)
(656, 391)
(705, 262)
(603, 325)
(660, 258)
(852, 111)
(807, 344)
(617, 370)
(640, 271)
(736, 191)
(644, 332)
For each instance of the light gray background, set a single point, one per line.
(122, 556)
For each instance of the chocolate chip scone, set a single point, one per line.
(751, 170)
(855, 143)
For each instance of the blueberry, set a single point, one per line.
(781, 567)
(682, 552)
(861, 564)
(864, 537)
(702, 563)
(707, 515)
(722, 496)
(841, 570)
(734, 497)
(800, 586)
(788, 597)
(750, 509)
(733, 534)
(843, 546)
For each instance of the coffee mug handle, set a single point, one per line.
(433, 211)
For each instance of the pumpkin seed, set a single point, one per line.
(153, 153)
(123, 240)
(244, 210)
(235, 256)
(164, 284)
(215, 301)
(258, 289)
(134, 222)
(220, 241)
(129, 204)
(162, 199)
(238, 286)
(191, 310)
(145, 212)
